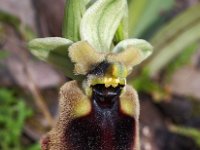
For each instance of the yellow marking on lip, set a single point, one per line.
(127, 106)
(108, 81)
(82, 108)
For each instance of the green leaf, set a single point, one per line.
(181, 32)
(74, 11)
(143, 13)
(55, 51)
(101, 21)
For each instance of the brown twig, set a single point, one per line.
(37, 96)
(39, 100)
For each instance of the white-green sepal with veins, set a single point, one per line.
(54, 50)
(101, 21)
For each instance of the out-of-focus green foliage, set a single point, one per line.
(174, 37)
(144, 13)
(177, 39)
(13, 112)
(10, 19)
(1, 32)
(143, 83)
(174, 44)
(3, 54)
(181, 60)
(25, 32)
(34, 147)
(187, 131)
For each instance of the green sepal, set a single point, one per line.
(54, 50)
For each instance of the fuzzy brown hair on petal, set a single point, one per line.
(129, 57)
(84, 57)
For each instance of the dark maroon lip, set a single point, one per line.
(105, 127)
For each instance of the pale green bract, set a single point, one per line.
(103, 25)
